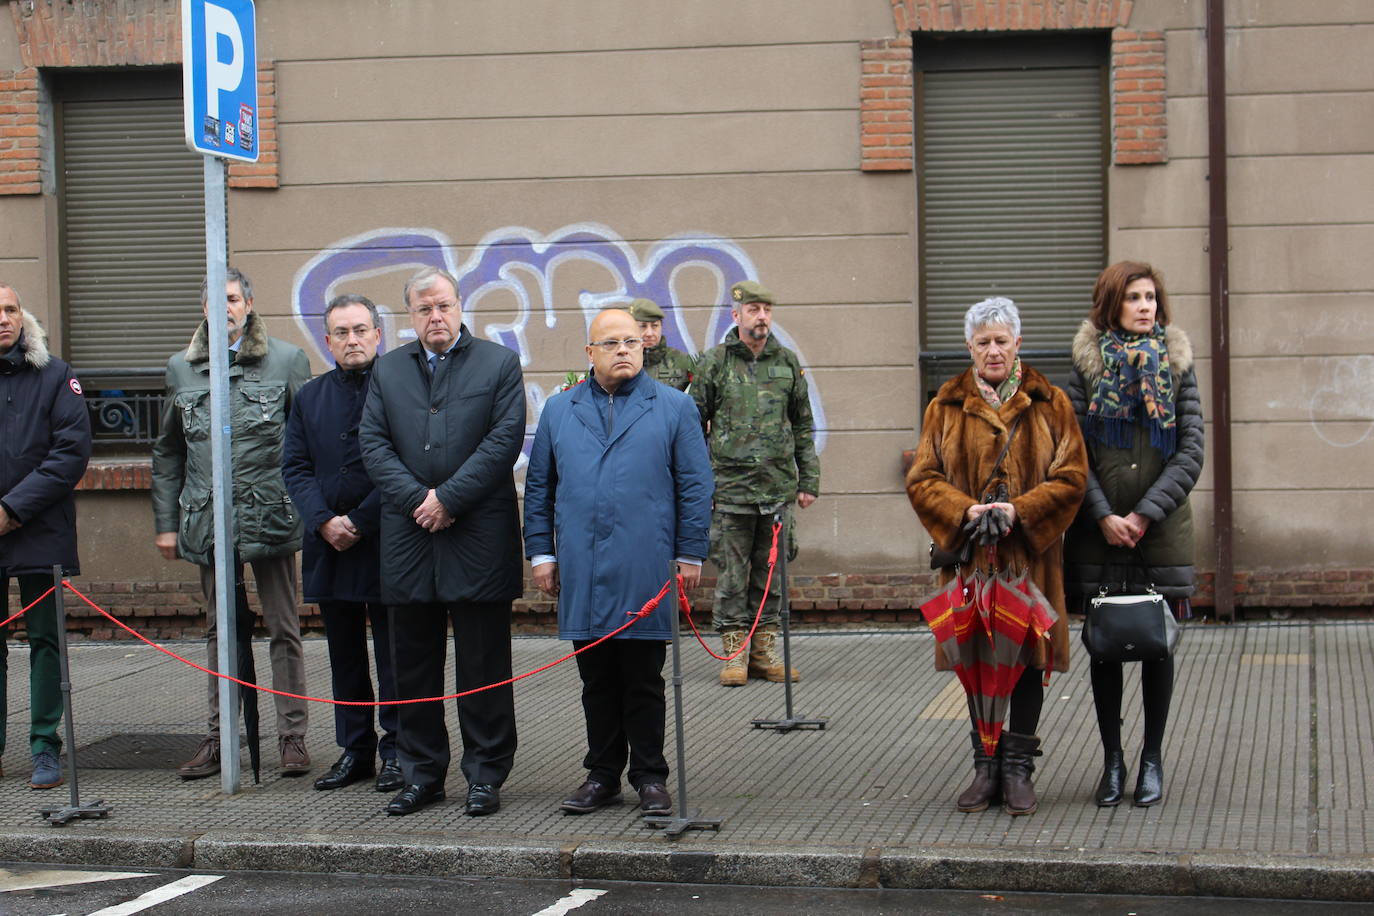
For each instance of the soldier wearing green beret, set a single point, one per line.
(662, 362)
(752, 396)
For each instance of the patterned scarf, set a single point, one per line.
(1136, 387)
(1003, 392)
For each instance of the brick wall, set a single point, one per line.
(1139, 129)
(56, 34)
(175, 610)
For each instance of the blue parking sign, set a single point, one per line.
(220, 77)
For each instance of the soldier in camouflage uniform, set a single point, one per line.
(751, 393)
(661, 362)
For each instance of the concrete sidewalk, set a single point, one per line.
(1267, 791)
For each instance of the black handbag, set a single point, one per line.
(940, 558)
(1130, 627)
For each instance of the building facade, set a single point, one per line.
(878, 164)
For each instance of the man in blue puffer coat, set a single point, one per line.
(618, 491)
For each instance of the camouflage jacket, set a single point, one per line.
(671, 367)
(757, 417)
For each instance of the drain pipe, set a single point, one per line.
(1218, 248)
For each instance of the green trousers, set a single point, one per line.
(45, 671)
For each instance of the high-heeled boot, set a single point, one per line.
(1113, 783)
(1018, 753)
(1149, 785)
(986, 787)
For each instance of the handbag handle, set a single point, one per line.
(1102, 588)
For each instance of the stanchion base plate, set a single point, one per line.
(59, 815)
(674, 827)
(787, 725)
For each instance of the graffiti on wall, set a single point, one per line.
(537, 293)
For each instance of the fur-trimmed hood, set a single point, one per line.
(253, 349)
(1087, 355)
(33, 341)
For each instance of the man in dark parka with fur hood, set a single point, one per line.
(45, 443)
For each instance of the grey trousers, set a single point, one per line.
(276, 579)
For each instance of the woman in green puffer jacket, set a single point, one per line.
(1137, 402)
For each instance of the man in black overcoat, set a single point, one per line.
(340, 553)
(441, 432)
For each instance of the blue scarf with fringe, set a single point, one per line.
(1136, 387)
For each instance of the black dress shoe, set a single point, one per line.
(347, 770)
(482, 799)
(1149, 785)
(590, 796)
(390, 778)
(1113, 782)
(654, 799)
(413, 798)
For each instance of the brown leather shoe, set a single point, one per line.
(295, 760)
(204, 763)
(654, 799)
(590, 796)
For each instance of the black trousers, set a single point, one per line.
(486, 720)
(345, 630)
(623, 701)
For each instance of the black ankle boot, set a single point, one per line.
(1149, 785)
(1113, 783)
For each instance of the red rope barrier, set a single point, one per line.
(8, 620)
(635, 617)
(686, 606)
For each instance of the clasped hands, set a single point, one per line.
(431, 514)
(1123, 532)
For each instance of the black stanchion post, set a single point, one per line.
(59, 815)
(790, 720)
(686, 819)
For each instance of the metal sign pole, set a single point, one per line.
(790, 721)
(58, 815)
(686, 819)
(216, 306)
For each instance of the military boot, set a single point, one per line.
(1018, 753)
(765, 658)
(735, 673)
(986, 787)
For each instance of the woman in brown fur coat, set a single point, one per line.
(1044, 474)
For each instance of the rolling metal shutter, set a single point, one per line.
(134, 232)
(1012, 204)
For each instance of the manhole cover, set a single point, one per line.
(138, 751)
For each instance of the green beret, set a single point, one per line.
(751, 291)
(645, 310)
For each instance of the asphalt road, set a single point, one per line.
(40, 890)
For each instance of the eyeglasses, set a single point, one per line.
(610, 346)
(443, 308)
(342, 334)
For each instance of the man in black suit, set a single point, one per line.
(441, 432)
(340, 555)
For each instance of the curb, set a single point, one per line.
(963, 868)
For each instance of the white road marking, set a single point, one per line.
(159, 895)
(33, 880)
(569, 903)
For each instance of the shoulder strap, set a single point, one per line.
(1006, 446)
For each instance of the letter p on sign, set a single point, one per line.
(219, 77)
